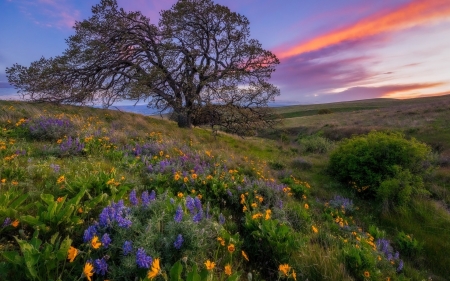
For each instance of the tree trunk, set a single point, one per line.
(184, 119)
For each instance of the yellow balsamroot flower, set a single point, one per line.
(60, 199)
(15, 223)
(185, 179)
(294, 275)
(254, 205)
(306, 206)
(155, 269)
(244, 208)
(180, 195)
(95, 243)
(210, 265)
(176, 177)
(194, 176)
(88, 270)
(228, 269)
(3, 180)
(61, 179)
(72, 253)
(285, 268)
(268, 214)
(222, 242)
(231, 248)
(314, 229)
(257, 216)
(245, 255)
(366, 274)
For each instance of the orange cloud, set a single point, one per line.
(414, 13)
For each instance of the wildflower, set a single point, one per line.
(127, 247)
(15, 223)
(210, 265)
(100, 266)
(106, 240)
(155, 269)
(185, 179)
(306, 206)
(176, 177)
(221, 219)
(314, 229)
(142, 260)
(80, 210)
(178, 242)
(222, 242)
(366, 274)
(14, 182)
(228, 269)
(245, 255)
(178, 214)
(231, 248)
(254, 205)
(89, 233)
(6, 222)
(400, 266)
(61, 179)
(244, 209)
(88, 270)
(60, 199)
(194, 176)
(284, 268)
(257, 216)
(72, 253)
(133, 198)
(268, 214)
(95, 243)
(3, 180)
(180, 195)
(294, 275)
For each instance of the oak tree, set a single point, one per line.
(199, 62)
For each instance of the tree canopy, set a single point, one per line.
(199, 61)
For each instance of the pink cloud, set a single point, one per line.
(417, 12)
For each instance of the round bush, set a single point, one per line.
(365, 162)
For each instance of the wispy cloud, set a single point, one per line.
(414, 13)
(50, 13)
(361, 93)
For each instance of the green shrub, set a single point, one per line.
(381, 164)
(316, 144)
(324, 111)
(408, 245)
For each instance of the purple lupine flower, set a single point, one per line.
(229, 193)
(145, 198)
(178, 214)
(6, 222)
(133, 198)
(105, 216)
(55, 168)
(198, 203)
(172, 201)
(198, 217)
(100, 266)
(150, 168)
(221, 219)
(400, 266)
(142, 260)
(89, 233)
(190, 204)
(178, 242)
(152, 195)
(396, 255)
(106, 240)
(127, 247)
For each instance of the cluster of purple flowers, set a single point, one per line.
(50, 128)
(71, 146)
(383, 245)
(6, 222)
(127, 247)
(178, 214)
(55, 168)
(116, 212)
(147, 198)
(340, 202)
(142, 260)
(100, 266)
(178, 242)
(194, 205)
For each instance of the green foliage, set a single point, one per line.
(38, 260)
(324, 111)
(365, 162)
(407, 244)
(358, 261)
(315, 144)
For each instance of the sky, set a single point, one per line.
(329, 50)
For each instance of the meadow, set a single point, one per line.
(94, 194)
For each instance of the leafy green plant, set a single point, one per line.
(364, 162)
(407, 244)
(315, 144)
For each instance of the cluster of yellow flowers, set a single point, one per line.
(287, 271)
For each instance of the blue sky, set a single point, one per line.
(330, 50)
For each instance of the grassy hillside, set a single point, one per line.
(258, 208)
